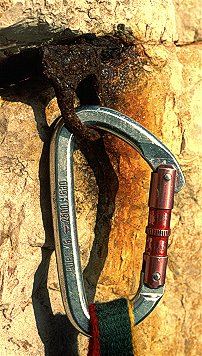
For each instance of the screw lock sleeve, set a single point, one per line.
(161, 201)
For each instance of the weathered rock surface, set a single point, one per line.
(161, 89)
(188, 21)
(32, 22)
(87, 16)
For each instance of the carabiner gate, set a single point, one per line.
(167, 177)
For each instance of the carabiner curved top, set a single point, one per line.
(161, 160)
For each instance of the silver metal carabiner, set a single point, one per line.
(64, 215)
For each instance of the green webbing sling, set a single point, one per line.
(112, 329)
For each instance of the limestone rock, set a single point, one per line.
(158, 85)
(188, 20)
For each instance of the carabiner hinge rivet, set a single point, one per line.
(156, 276)
(167, 176)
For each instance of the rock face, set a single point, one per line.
(86, 16)
(30, 23)
(156, 81)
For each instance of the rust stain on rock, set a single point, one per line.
(121, 80)
(143, 101)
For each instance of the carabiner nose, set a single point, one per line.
(162, 162)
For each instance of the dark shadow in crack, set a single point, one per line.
(31, 35)
(107, 183)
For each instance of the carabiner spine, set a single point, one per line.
(65, 231)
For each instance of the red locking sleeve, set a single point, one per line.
(158, 230)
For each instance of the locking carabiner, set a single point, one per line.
(167, 177)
